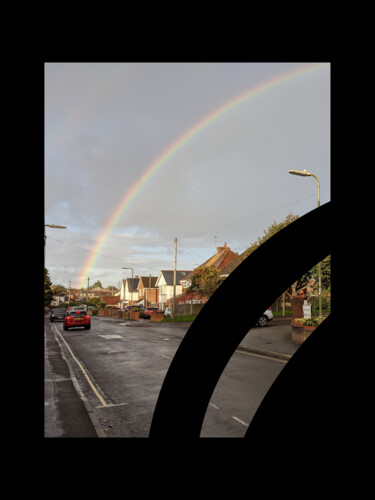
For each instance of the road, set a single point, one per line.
(119, 370)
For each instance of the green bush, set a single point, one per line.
(326, 302)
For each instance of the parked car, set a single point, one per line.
(266, 317)
(76, 318)
(168, 312)
(57, 314)
(147, 312)
(133, 308)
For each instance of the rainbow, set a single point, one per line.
(153, 168)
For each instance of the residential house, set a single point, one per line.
(129, 291)
(223, 257)
(98, 292)
(57, 300)
(111, 300)
(165, 284)
(148, 294)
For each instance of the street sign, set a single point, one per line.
(306, 310)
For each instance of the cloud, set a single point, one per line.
(106, 124)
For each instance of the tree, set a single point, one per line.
(47, 288)
(274, 228)
(97, 284)
(326, 273)
(58, 290)
(204, 281)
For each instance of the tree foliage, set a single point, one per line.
(326, 273)
(97, 284)
(204, 281)
(47, 288)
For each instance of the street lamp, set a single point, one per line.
(131, 293)
(55, 226)
(304, 173)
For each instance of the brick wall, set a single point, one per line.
(297, 305)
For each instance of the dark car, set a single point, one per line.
(57, 314)
(77, 318)
(147, 312)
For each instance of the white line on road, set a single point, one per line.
(270, 358)
(211, 404)
(240, 421)
(82, 369)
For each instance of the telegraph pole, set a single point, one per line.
(174, 279)
(88, 281)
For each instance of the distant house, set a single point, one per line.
(57, 300)
(111, 300)
(98, 292)
(223, 258)
(148, 294)
(165, 284)
(129, 291)
(189, 298)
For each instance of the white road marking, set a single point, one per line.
(82, 369)
(240, 421)
(110, 336)
(270, 358)
(211, 404)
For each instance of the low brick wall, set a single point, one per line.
(157, 316)
(134, 315)
(301, 332)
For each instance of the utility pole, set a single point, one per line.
(70, 291)
(88, 281)
(148, 292)
(174, 279)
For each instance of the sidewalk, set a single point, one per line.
(273, 342)
(65, 413)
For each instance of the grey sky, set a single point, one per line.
(106, 123)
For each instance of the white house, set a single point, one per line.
(165, 285)
(129, 291)
(57, 300)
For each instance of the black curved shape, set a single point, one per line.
(305, 400)
(214, 336)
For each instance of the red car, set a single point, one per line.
(77, 318)
(147, 312)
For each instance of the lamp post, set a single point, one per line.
(304, 173)
(131, 293)
(54, 226)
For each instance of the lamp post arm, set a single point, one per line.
(317, 180)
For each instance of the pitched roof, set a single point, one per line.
(134, 284)
(180, 275)
(236, 262)
(146, 281)
(221, 258)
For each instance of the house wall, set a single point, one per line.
(150, 296)
(125, 294)
(166, 293)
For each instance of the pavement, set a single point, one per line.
(67, 413)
